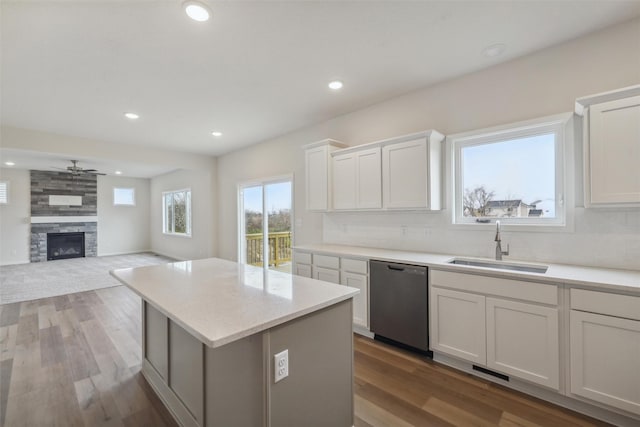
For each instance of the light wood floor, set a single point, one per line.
(74, 360)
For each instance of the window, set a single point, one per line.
(177, 212)
(514, 174)
(4, 192)
(124, 196)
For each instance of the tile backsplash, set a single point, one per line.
(600, 238)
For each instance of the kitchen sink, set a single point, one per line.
(501, 265)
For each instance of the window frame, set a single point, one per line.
(189, 225)
(561, 126)
(241, 231)
(133, 196)
(6, 187)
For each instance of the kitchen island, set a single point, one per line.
(212, 328)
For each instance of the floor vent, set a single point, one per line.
(490, 372)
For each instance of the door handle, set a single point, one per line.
(391, 267)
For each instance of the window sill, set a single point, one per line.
(183, 235)
(558, 227)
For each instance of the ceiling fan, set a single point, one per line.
(76, 170)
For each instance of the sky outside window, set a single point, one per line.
(522, 168)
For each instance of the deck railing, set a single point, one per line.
(279, 248)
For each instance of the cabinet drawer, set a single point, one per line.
(303, 270)
(303, 258)
(510, 288)
(326, 261)
(605, 303)
(326, 274)
(355, 265)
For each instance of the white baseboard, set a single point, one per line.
(361, 330)
(169, 256)
(141, 251)
(18, 262)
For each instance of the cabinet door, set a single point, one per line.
(303, 270)
(605, 359)
(404, 174)
(317, 178)
(344, 181)
(522, 341)
(369, 179)
(458, 324)
(326, 274)
(614, 151)
(360, 301)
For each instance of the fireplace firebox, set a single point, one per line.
(65, 245)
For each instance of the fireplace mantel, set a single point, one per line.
(62, 219)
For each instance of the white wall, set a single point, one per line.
(123, 229)
(15, 217)
(543, 83)
(201, 244)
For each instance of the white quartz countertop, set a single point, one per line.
(590, 277)
(220, 301)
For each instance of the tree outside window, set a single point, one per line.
(177, 212)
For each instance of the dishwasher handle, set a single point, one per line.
(395, 268)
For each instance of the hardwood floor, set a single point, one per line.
(74, 360)
(398, 388)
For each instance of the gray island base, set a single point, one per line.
(211, 329)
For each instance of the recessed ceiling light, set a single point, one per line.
(335, 85)
(131, 116)
(196, 10)
(118, 172)
(9, 163)
(494, 50)
(216, 133)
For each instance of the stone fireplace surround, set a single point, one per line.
(38, 252)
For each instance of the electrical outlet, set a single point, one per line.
(281, 365)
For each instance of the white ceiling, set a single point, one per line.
(257, 69)
(54, 162)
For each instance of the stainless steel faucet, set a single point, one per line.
(499, 251)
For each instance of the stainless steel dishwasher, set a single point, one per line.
(399, 303)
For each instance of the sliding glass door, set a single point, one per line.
(265, 239)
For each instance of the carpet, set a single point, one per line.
(25, 282)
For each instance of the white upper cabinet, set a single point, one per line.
(318, 173)
(411, 171)
(344, 181)
(357, 179)
(394, 174)
(611, 147)
(369, 194)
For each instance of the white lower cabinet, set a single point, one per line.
(303, 270)
(519, 339)
(340, 270)
(522, 340)
(360, 301)
(605, 350)
(458, 324)
(302, 264)
(326, 274)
